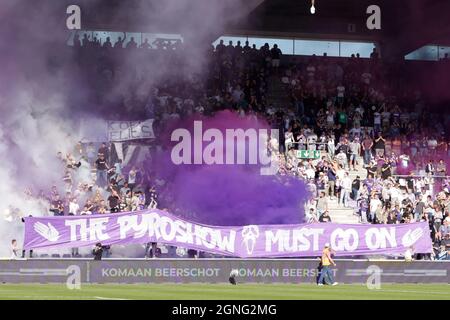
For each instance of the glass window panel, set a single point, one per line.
(443, 51)
(317, 47)
(429, 53)
(363, 48)
(71, 37)
(285, 45)
(152, 37)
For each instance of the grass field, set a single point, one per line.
(222, 292)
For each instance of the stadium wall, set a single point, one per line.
(217, 271)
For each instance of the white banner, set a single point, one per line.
(119, 150)
(130, 130)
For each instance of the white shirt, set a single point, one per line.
(432, 143)
(74, 207)
(132, 177)
(340, 173)
(311, 70)
(395, 193)
(330, 118)
(312, 138)
(374, 204)
(14, 251)
(408, 255)
(355, 131)
(347, 183)
(237, 95)
(310, 173)
(366, 77)
(341, 158)
(377, 118)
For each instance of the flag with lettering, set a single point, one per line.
(251, 241)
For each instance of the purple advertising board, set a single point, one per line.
(218, 271)
(251, 241)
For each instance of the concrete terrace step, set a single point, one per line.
(341, 214)
(347, 221)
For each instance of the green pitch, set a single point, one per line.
(222, 292)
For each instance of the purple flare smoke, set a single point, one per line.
(228, 194)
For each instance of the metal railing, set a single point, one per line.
(421, 176)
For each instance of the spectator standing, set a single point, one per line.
(74, 207)
(98, 251)
(114, 201)
(326, 262)
(275, 53)
(355, 150)
(331, 174)
(14, 250)
(429, 168)
(90, 153)
(375, 207)
(379, 145)
(322, 204)
(441, 168)
(102, 174)
(132, 176)
(367, 145)
(356, 186)
(346, 187)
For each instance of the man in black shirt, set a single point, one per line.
(152, 250)
(325, 217)
(372, 169)
(392, 219)
(24, 251)
(356, 184)
(429, 168)
(114, 201)
(419, 207)
(247, 48)
(220, 48)
(98, 251)
(103, 150)
(385, 170)
(102, 167)
(275, 53)
(379, 145)
(57, 206)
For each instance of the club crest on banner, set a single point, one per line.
(249, 236)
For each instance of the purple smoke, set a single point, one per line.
(227, 194)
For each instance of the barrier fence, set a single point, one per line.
(217, 271)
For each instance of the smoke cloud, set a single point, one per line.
(43, 101)
(227, 194)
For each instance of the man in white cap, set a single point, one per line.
(326, 261)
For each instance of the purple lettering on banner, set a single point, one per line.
(253, 241)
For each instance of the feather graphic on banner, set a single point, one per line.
(48, 231)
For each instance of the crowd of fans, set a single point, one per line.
(344, 108)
